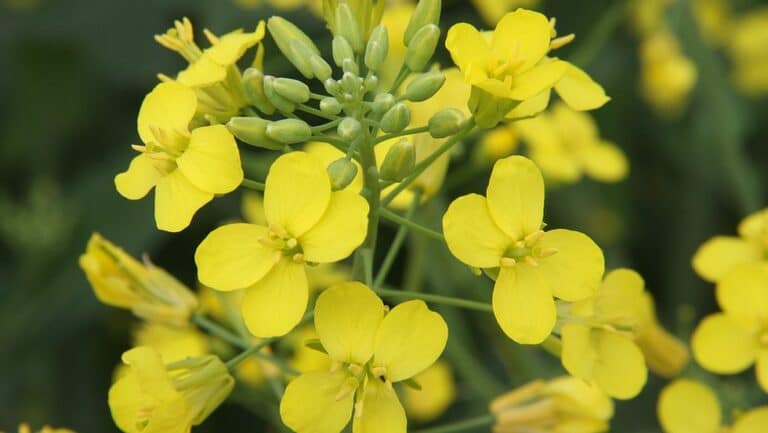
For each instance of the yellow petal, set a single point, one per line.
(176, 201)
(310, 403)
(140, 177)
(326, 154)
(761, 368)
(754, 421)
(381, 411)
(150, 373)
(340, 230)
(605, 162)
(174, 416)
(579, 91)
(516, 196)
(169, 106)
(231, 257)
(716, 332)
(687, 406)
(347, 316)
(540, 78)
(742, 293)
(574, 272)
(755, 226)
(523, 304)
(125, 402)
(469, 51)
(437, 392)
(522, 35)
(720, 254)
(297, 192)
(231, 47)
(203, 72)
(275, 304)
(410, 338)
(471, 234)
(531, 106)
(212, 161)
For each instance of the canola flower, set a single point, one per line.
(437, 393)
(667, 75)
(25, 428)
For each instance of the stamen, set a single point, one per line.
(507, 262)
(359, 409)
(213, 39)
(379, 371)
(546, 252)
(531, 261)
(291, 243)
(561, 41)
(298, 258)
(533, 237)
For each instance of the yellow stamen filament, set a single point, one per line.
(561, 41)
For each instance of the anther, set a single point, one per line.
(298, 258)
(546, 252)
(213, 39)
(359, 409)
(379, 371)
(291, 243)
(531, 261)
(507, 262)
(561, 41)
(533, 237)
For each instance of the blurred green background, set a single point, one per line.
(73, 74)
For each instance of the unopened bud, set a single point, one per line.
(371, 83)
(446, 122)
(292, 90)
(350, 66)
(347, 26)
(383, 102)
(295, 45)
(253, 85)
(349, 128)
(426, 12)
(396, 118)
(422, 47)
(289, 131)
(351, 83)
(341, 50)
(376, 50)
(330, 106)
(332, 86)
(320, 67)
(253, 131)
(280, 102)
(341, 172)
(399, 161)
(424, 86)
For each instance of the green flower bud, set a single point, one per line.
(426, 12)
(292, 90)
(396, 118)
(295, 45)
(371, 83)
(253, 131)
(253, 85)
(332, 86)
(342, 172)
(341, 50)
(330, 106)
(280, 102)
(289, 131)
(383, 102)
(351, 83)
(422, 47)
(376, 50)
(348, 27)
(424, 86)
(349, 128)
(446, 122)
(399, 161)
(350, 66)
(320, 67)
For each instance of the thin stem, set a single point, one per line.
(478, 421)
(436, 299)
(392, 216)
(397, 242)
(335, 142)
(401, 76)
(325, 126)
(411, 131)
(609, 21)
(316, 96)
(315, 111)
(426, 162)
(232, 363)
(363, 264)
(252, 184)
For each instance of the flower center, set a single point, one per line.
(526, 251)
(283, 243)
(504, 68)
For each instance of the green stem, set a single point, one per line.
(363, 262)
(401, 76)
(315, 112)
(397, 242)
(325, 126)
(478, 421)
(392, 216)
(232, 363)
(426, 162)
(609, 21)
(436, 299)
(335, 142)
(402, 133)
(252, 184)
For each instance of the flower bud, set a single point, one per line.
(330, 106)
(332, 86)
(320, 67)
(426, 12)
(289, 131)
(341, 50)
(399, 161)
(348, 27)
(280, 102)
(422, 47)
(253, 85)
(350, 66)
(445, 122)
(424, 86)
(396, 118)
(292, 90)
(383, 102)
(376, 50)
(349, 128)
(371, 83)
(341, 172)
(253, 131)
(351, 83)
(295, 45)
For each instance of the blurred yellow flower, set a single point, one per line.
(561, 405)
(307, 222)
(667, 75)
(172, 343)
(504, 232)
(370, 350)
(24, 428)
(664, 353)
(148, 291)
(647, 16)
(748, 49)
(186, 168)
(493, 10)
(720, 254)
(713, 18)
(731, 341)
(315, 6)
(437, 392)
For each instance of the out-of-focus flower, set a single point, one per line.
(647, 16)
(492, 10)
(713, 18)
(437, 392)
(316, 6)
(664, 353)
(25, 428)
(667, 75)
(747, 47)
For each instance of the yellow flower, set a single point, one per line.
(121, 281)
(370, 350)
(437, 392)
(185, 168)
(304, 358)
(172, 343)
(667, 76)
(155, 398)
(731, 341)
(713, 18)
(566, 144)
(597, 340)
(504, 231)
(664, 353)
(395, 19)
(496, 144)
(510, 66)
(748, 52)
(687, 406)
(717, 256)
(647, 16)
(561, 405)
(326, 154)
(307, 223)
(24, 428)
(493, 10)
